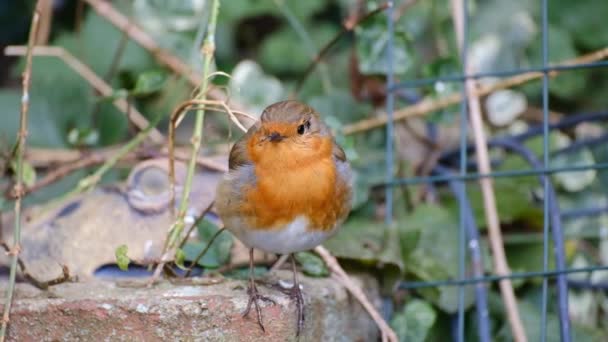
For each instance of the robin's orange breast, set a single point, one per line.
(293, 182)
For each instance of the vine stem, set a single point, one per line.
(18, 189)
(176, 229)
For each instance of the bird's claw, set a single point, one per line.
(254, 297)
(296, 294)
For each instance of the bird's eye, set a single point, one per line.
(302, 128)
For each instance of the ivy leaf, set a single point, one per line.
(122, 260)
(371, 244)
(217, 254)
(415, 321)
(148, 82)
(569, 85)
(372, 48)
(268, 89)
(312, 265)
(431, 233)
(83, 137)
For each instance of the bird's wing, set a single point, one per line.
(338, 152)
(238, 154)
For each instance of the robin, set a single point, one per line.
(287, 190)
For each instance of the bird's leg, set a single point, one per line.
(296, 293)
(254, 295)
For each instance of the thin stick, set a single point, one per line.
(349, 26)
(307, 40)
(280, 262)
(198, 220)
(173, 122)
(204, 251)
(92, 180)
(118, 53)
(46, 21)
(176, 229)
(171, 61)
(428, 106)
(59, 173)
(49, 157)
(18, 189)
(332, 263)
(93, 79)
(487, 189)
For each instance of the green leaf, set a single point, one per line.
(235, 10)
(372, 244)
(583, 21)
(149, 82)
(60, 99)
(433, 233)
(83, 137)
(527, 258)
(29, 173)
(121, 257)
(217, 254)
(85, 46)
(180, 257)
(284, 52)
(116, 94)
(312, 265)
(46, 125)
(372, 48)
(268, 89)
(531, 318)
(415, 321)
(569, 85)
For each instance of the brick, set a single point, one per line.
(120, 311)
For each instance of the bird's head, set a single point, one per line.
(290, 129)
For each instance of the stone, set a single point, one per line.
(188, 311)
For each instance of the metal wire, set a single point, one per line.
(454, 170)
(390, 106)
(462, 208)
(498, 74)
(481, 296)
(495, 278)
(495, 174)
(546, 185)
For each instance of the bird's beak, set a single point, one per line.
(275, 137)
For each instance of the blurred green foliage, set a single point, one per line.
(267, 47)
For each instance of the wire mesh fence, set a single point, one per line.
(458, 166)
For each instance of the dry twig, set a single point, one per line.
(340, 275)
(487, 189)
(62, 171)
(348, 26)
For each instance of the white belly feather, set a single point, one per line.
(291, 238)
